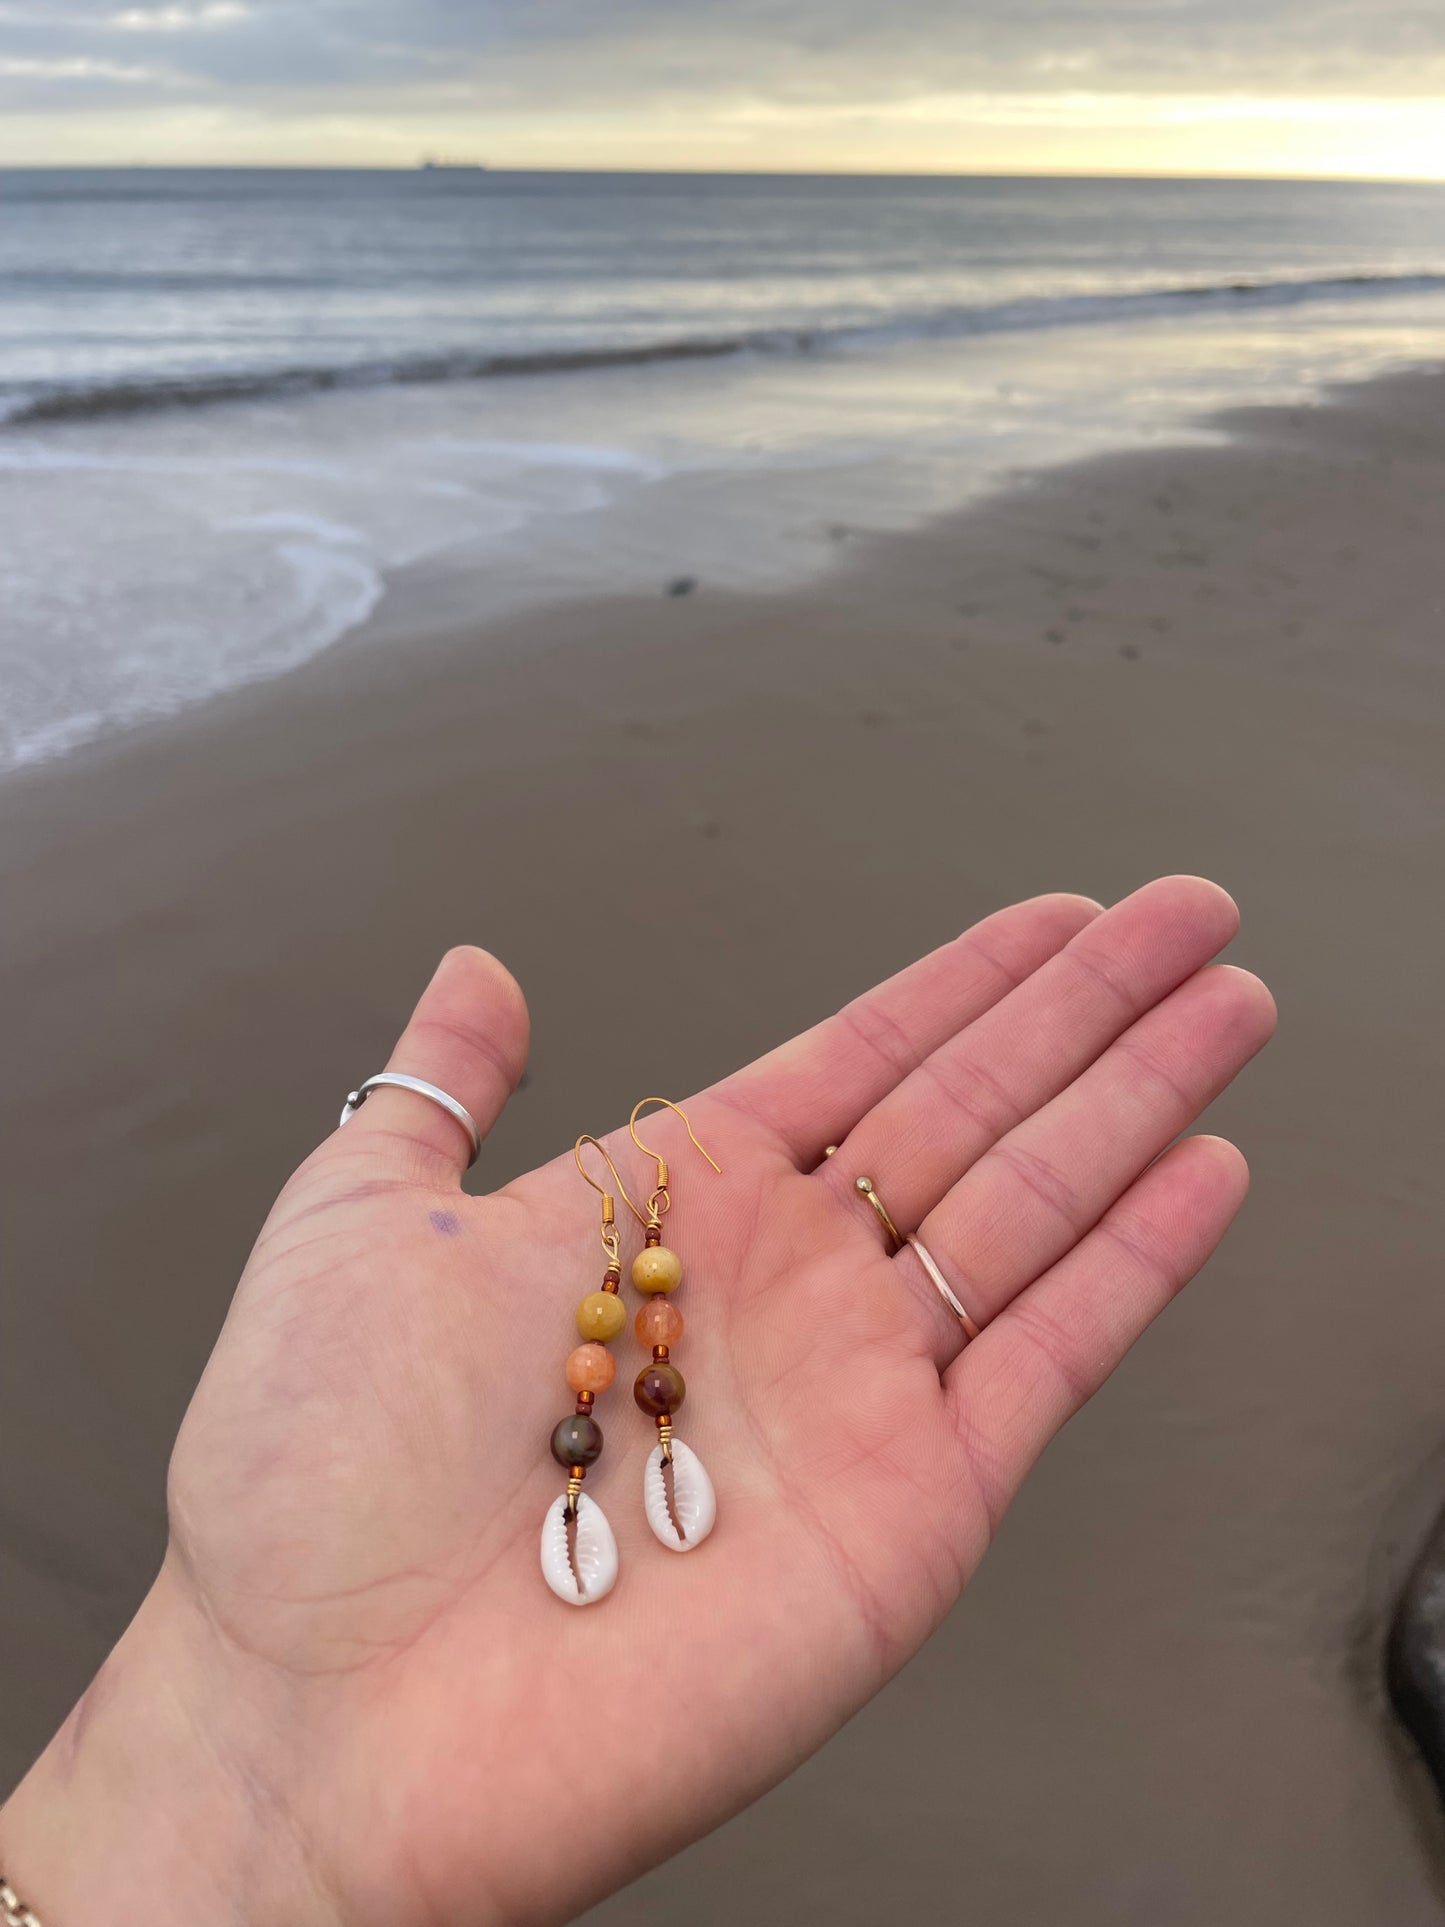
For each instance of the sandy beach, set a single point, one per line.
(1221, 658)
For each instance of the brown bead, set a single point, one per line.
(576, 1440)
(658, 1323)
(659, 1389)
(591, 1368)
(657, 1269)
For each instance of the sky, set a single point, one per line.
(1330, 87)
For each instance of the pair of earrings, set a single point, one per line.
(579, 1553)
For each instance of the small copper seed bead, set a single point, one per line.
(659, 1352)
(591, 1368)
(577, 1441)
(653, 1235)
(611, 1278)
(657, 1269)
(658, 1323)
(585, 1401)
(601, 1315)
(659, 1389)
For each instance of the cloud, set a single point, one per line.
(72, 67)
(532, 75)
(176, 19)
(801, 49)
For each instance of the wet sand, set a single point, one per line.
(1160, 1703)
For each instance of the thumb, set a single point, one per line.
(468, 1035)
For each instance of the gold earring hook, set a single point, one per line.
(661, 1199)
(609, 1208)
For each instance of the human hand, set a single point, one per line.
(351, 1694)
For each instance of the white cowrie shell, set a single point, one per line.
(688, 1521)
(596, 1572)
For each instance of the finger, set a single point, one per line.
(983, 1081)
(810, 1092)
(1053, 1347)
(1035, 1193)
(468, 1035)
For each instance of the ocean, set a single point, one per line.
(239, 409)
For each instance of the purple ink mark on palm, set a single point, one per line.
(446, 1222)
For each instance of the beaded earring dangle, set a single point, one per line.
(579, 1553)
(683, 1517)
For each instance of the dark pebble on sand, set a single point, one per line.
(682, 585)
(1415, 1655)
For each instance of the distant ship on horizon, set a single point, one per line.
(442, 166)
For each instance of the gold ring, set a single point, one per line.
(925, 1256)
(865, 1185)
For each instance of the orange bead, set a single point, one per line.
(591, 1368)
(658, 1323)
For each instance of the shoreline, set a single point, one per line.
(483, 499)
(427, 607)
(1220, 657)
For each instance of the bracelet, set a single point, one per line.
(13, 1911)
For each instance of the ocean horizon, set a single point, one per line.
(238, 405)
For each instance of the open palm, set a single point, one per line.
(358, 1488)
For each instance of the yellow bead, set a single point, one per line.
(601, 1315)
(657, 1269)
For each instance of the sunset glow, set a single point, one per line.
(1138, 89)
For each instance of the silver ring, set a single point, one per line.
(450, 1105)
(925, 1258)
